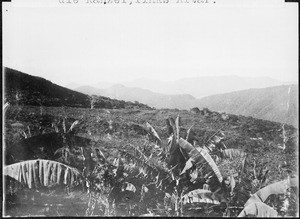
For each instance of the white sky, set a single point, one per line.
(88, 45)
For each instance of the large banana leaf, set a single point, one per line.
(177, 125)
(129, 187)
(199, 196)
(201, 159)
(188, 165)
(153, 132)
(189, 136)
(34, 173)
(275, 188)
(171, 126)
(176, 157)
(258, 209)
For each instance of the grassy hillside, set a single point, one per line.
(114, 129)
(278, 103)
(21, 88)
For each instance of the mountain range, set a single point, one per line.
(276, 103)
(157, 100)
(197, 86)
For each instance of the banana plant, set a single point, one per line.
(275, 188)
(47, 146)
(37, 173)
(256, 205)
(258, 209)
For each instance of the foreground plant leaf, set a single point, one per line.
(129, 187)
(153, 132)
(189, 136)
(35, 173)
(171, 126)
(201, 159)
(258, 209)
(275, 188)
(177, 124)
(176, 156)
(199, 196)
(188, 165)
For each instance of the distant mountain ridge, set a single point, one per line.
(278, 103)
(207, 85)
(157, 100)
(197, 86)
(264, 103)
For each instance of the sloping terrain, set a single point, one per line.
(115, 129)
(21, 88)
(278, 103)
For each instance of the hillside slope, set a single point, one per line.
(278, 103)
(25, 89)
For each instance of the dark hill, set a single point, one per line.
(21, 88)
(31, 90)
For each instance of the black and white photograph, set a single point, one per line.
(159, 108)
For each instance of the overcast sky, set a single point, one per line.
(88, 45)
